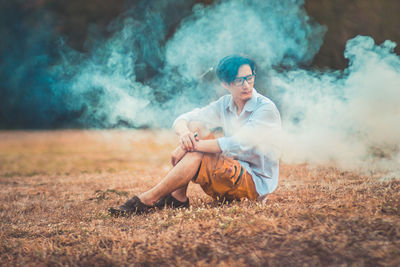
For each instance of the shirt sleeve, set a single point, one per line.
(262, 132)
(209, 115)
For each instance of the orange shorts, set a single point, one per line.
(224, 178)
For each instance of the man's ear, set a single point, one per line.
(225, 85)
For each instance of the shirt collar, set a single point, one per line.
(249, 106)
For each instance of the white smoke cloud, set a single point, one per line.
(351, 118)
(273, 32)
(103, 83)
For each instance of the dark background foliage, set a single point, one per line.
(344, 19)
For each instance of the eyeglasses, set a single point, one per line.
(239, 81)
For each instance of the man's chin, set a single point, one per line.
(246, 97)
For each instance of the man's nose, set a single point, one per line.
(246, 84)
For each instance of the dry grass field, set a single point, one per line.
(56, 187)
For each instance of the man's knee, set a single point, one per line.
(195, 156)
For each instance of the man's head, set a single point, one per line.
(237, 74)
(228, 67)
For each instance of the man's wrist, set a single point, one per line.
(199, 146)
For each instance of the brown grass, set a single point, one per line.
(55, 188)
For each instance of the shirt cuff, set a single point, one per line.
(226, 144)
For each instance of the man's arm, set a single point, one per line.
(208, 116)
(208, 146)
(186, 137)
(205, 146)
(262, 132)
(190, 143)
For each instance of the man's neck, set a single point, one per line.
(239, 105)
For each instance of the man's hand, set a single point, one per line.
(177, 155)
(188, 141)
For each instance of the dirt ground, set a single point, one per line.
(56, 187)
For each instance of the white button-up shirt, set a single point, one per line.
(252, 137)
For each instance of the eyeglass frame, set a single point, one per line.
(244, 78)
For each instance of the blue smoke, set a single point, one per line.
(140, 76)
(26, 84)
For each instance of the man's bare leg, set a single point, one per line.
(180, 193)
(196, 127)
(178, 177)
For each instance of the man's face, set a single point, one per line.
(242, 87)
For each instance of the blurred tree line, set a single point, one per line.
(344, 18)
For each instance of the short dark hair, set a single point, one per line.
(228, 67)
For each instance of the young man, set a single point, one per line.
(234, 166)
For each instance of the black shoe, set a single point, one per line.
(171, 202)
(132, 206)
